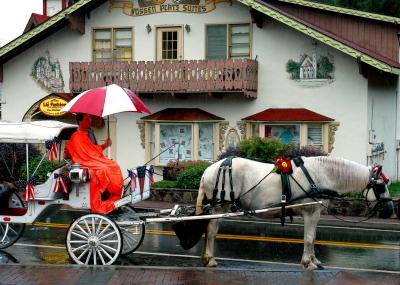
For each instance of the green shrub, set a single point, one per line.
(190, 177)
(263, 149)
(394, 189)
(41, 174)
(164, 184)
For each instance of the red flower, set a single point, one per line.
(284, 165)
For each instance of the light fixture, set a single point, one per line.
(148, 28)
(187, 28)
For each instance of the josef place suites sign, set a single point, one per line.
(148, 7)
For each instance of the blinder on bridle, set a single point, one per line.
(378, 184)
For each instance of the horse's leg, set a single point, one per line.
(311, 218)
(208, 249)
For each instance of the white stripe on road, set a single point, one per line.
(228, 259)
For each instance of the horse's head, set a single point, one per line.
(377, 190)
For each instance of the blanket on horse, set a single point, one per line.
(105, 174)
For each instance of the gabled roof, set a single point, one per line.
(183, 114)
(350, 48)
(34, 21)
(362, 54)
(286, 115)
(342, 10)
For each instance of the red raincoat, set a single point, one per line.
(104, 173)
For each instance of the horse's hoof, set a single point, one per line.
(212, 263)
(308, 265)
(315, 261)
(320, 267)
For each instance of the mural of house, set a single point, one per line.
(214, 72)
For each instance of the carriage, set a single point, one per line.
(98, 239)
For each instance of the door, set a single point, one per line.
(169, 43)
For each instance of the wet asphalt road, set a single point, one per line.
(241, 244)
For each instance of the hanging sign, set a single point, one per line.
(147, 7)
(52, 106)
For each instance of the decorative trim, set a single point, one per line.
(223, 126)
(48, 74)
(242, 126)
(142, 130)
(320, 36)
(346, 11)
(47, 24)
(332, 128)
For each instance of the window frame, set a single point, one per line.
(113, 43)
(158, 46)
(229, 39)
(195, 126)
(303, 139)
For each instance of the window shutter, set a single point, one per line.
(314, 134)
(216, 42)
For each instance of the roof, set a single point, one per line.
(361, 54)
(341, 10)
(34, 21)
(287, 114)
(183, 114)
(34, 132)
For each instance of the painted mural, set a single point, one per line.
(47, 73)
(311, 66)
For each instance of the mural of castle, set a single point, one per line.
(48, 73)
(310, 67)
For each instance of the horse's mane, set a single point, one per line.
(345, 174)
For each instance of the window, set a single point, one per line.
(112, 45)
(314, 135)
(228, 41)
(285, 133)
(175, 142)
(169, 43)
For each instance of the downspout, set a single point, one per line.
(397, 118)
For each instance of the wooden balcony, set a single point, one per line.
(184, 76)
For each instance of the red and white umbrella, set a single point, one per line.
(104, 101)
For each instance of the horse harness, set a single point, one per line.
(284, 169)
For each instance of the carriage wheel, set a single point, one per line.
(132, 236)
(11, 232)
(94, 239)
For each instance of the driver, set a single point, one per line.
(105, 174)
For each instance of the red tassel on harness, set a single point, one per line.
(29, 192)
(284, 165)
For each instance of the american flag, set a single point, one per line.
(54, 149)
(29, 192)
(60, 183)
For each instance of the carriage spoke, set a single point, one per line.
(99, 227)
(105, 252)
(78, 241)
(109, 241)
(100, 255)
(82, 254)
(78, 235)
(83, 231)
(80, 247)
(94, 225)
(94, 256)
(88, 256)
(104, 230)
(13, 231)
(87, 226)
(108, 247)
(107, 235)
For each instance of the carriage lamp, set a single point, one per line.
(78, 174)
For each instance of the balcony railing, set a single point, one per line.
(184, 76)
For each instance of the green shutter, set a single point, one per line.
(216, 42)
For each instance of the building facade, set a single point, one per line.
(215, 72)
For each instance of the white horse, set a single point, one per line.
(336, 174)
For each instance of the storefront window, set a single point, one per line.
(181, 136)
(206, 145)
(314, 135)
(285, 133)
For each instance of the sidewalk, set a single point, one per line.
(114, 275)
(357, 222)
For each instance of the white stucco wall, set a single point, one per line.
(345, 99)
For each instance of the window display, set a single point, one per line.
(206, 144)
(285, 133)
(181, 136)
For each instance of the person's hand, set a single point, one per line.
(107, 143)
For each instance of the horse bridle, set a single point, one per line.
(378, 184)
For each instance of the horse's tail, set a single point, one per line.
(200, 197)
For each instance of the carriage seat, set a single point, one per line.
(44, 191)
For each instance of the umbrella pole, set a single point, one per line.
(108, 136)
